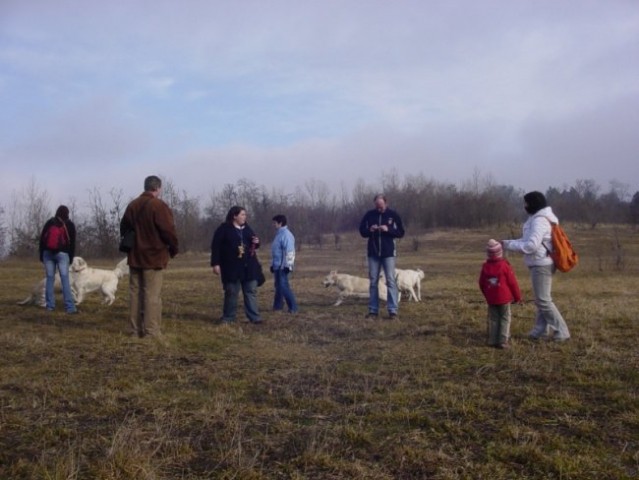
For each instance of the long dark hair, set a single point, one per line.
(234, 211)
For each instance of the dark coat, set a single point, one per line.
(225, 252)
(70, 249)
(155, 235)
(381, 244)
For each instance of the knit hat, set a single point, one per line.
(535, 201)
(493, 249)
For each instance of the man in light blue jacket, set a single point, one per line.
(283, 258)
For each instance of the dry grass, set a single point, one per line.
(328, 394)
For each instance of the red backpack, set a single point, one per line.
(562, 253)
(57, 237)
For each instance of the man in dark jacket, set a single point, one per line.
(155, 241)
(382, 226)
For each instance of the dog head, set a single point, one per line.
(330, 279)
(420, 273)
(78, 264)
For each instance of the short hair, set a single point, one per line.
(380, 195)
(152, 183)
(281, 219)
(233, 212)
(62, 213)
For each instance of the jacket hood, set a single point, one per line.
(548, 213)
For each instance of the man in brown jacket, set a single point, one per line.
(155, 241)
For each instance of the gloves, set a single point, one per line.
(286, 270)
(271, 269)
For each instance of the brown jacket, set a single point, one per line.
(155, 236)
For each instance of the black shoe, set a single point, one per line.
(73, 312)
(257, 322)
(371, 315)
(392, 316)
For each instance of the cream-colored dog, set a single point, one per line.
(83, 280)
(37, 292)
(86, 280)
(410, 281)
(351, 286)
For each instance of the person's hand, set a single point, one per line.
(255, 240)
(384, 228)
(216, 269)
(374, 228)
(272, 269)
(286, 270)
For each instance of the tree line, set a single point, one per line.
(317, 214)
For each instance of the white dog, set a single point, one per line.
(37, 292)
(351, 286)
(86, 280)
(410, 281)
(83, 280)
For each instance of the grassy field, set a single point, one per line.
(329, 394)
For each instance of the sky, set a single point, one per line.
(529, 93)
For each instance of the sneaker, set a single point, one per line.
(371, 315)
(392, 316)
(256, 322)
(73, 312)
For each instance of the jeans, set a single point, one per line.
(249, 292)
(283, 292)
(145, 301)
(548, 315)
(375, 264)
(61, 261)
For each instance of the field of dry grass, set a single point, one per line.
(328, 394)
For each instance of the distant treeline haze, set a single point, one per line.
(317, 215)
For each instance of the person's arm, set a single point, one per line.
(289, 251)
(216, 245)
(365, 227)
(166, 227)
(533, 240)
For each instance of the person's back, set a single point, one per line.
(155, 241)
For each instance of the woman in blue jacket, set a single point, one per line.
(283, 259)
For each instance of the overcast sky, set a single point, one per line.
(204, 92)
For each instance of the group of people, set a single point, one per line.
(234, 259)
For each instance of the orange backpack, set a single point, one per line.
(562, 253)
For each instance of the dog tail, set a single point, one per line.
(26, 301)
(121, 269)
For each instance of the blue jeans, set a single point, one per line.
(548, 315)
(249, 292)
(283, 292)
(375, 264)
(61, 261)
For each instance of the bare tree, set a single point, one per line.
(30, 209)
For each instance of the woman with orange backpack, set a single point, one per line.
(536, 245)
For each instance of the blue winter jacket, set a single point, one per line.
(283, 249)
(381, 244)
